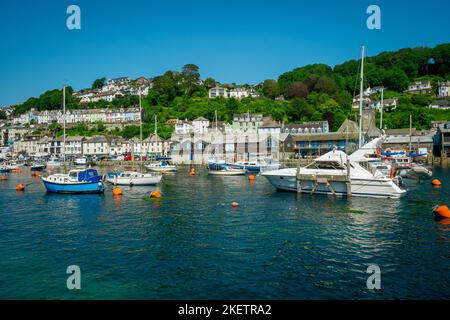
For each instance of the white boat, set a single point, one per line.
(255, 166)
(80, 161)
(37, 166)
(163, 165)
(132, 178)
(54, 162)
(336, 173)
(221, 169)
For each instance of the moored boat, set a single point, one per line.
(36, 166)
(336, 173)
(54, 162)
(220, 169)
(132, 178)
(82, 161)
(76, 181)
(255, 166)
(162, 165)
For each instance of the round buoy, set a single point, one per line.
(234, 204)
(117, 191)
(436, 183)
(251, 177)
(3, 178)
(442, 211)
(192, 172)
(20, 187)
(163, 172)
(155, 194)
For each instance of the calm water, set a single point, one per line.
(194, 245)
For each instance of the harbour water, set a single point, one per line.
(194, 245)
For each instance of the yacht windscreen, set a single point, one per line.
(327, 165)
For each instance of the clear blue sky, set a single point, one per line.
(242, 41)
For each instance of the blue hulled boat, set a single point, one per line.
(76, 181)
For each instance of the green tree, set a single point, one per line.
(98, 83)
(270, 88)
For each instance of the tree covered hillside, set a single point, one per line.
(312, 92)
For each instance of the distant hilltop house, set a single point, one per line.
(388, 104)
(419, 87)
(217, 92)
(366, 101)
(122, 115)
(444, 89)
(114, 89)
(199, 125)
(237, 93)
(440, 104)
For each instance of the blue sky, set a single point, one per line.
(242, 41)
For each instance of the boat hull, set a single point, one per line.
(74, 188)
(161, 169)
(147, 181)
(226, 173)
(375, 188)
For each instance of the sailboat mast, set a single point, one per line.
(140, 126)
(382, 105)
(64, 124)
(156, 135)
(361, 89)
(410, 132)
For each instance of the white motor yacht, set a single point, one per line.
(339, 174)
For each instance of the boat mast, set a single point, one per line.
(410, 132)
(140, 126)
(156, 135)
(64, 124)
(361, 88)
(382, 105)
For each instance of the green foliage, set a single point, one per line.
(314, 92)
(98, 83)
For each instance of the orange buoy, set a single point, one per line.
(20, 187)
(192, 172)
(163, 172)
(3, 178)
(442, 211)
(234, 204)
(251, 177)
(117, 191)
(436, 183)
(16, 171)
(155, 194)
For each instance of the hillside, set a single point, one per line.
(312, 92)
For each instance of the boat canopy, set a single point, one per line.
(90, 175)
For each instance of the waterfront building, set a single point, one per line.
(245, 122)
(442, 141)
(269, 125)
(311, 127)
(400, 139)
(96, 146)
(419, 87)
(74, 146)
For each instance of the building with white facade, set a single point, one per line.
(96, 146)
(444, 89)
(419, 87)
(218, 92)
